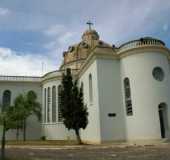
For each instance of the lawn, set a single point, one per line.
(42, 143)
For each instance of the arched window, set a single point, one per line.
(48, 104)
(54, 104)
(128, 100)
(82, 88)
(90, 89)
(45, 105)
(6, 101)
(59, 104)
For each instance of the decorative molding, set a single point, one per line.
(51, 79)
(109, 53)
(19, 79)
(146, 48)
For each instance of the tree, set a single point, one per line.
(25, 106)
(73, 110)
(7, 121)
(21, 113)
(33, 107)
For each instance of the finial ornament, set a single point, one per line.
(89, 23)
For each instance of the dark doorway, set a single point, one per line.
(163, 119)
(162, 125)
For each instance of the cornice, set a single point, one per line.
(98, 52)
(146, 48)
(109, 53)
(50, 79)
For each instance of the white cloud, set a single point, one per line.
(117, 23)
(165, 27)
(5, 52)
(55, 30)
(123, 20)
(127, 20)
(4, 11)
(66, 38)
(13, 63)
(60, 38)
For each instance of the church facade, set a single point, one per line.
(126, 90)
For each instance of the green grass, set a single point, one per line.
(27, 159)
(40, 142)
(19, 159)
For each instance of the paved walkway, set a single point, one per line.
(92, 152)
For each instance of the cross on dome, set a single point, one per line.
(89, 23)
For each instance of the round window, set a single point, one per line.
(158, 73)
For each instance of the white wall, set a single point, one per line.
(57, 131)
(92, 133)
(110, 100)
(147, 93)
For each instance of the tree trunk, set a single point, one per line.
(24, 130)
(3, 142)
(78, 136)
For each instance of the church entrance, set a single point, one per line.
(163, 118)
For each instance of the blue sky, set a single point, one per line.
(33, 32)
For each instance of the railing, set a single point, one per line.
(20, 78)
(50, 75)
(57, 74)
(140, 43)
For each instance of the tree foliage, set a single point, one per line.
(14, 117)
(73, 110)
(7, 121)
(26, 105)
(33, 105)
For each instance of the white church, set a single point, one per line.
(126, 89)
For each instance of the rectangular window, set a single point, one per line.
(54, 104)
(128, 101)
(45, 105)
(59, 104)
(90, 89)
(48, 104)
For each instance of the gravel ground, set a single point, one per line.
(91, 152)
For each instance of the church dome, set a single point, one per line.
(90, 35)
(76, 54)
